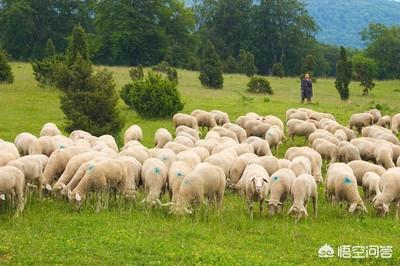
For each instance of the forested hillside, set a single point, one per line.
(340, 21)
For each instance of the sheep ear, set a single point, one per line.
(253, 179)
(78, 197)
(265, 180)
(48, 187)
(353, 207)
(2, 197)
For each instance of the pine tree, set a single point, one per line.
(230, 65)
(50, 49)
(278, 70)
(246, 63)
(343, 75)
(211, 68)
(78, 44)
(6, 75)
(89, 101)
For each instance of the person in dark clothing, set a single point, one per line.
(306, 88)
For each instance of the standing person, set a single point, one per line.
(306, 88)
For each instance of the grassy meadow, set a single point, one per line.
(51, 232)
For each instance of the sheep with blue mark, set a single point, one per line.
(154, 179)
(341, 185)
(167, 156)
(176, 173)
(281, 182)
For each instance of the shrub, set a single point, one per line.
(172, 74)
(50, 49)
(278, 70)
(230, 65)
(163, 66)
(43, 70)
(153, 97)
(211, 68)
(259, 85)
(136, 73)
(246, 63)
(365, 70)
(6, 75)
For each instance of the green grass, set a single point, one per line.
(50, 232)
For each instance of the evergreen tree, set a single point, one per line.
(365, 70)
(246, 63)
(6, 75)
(343, 75)
(50, 49)
(278, 70)
(230, 65)
(211, 68)
(89, 101)
(78, 44)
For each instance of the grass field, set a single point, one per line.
(50, 232)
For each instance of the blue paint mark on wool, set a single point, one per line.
(347, 180)
(157, 170)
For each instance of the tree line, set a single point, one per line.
(280, 35)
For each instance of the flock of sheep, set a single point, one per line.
(196, 170)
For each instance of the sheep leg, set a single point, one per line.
(314, 201)
(261, 206)
(250, 206)
(98, 202)
(397, 210)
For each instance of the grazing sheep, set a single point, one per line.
(238, 166)
(205, 119)
(134, 132)
(289, 112)
(327, 150)
(299, 115)
(73, 165)
(190, 157)
(202, 152)
(341, 185)
(154, 179)
(384, 121)
(167, 156)
(376, 114)
(12, 182)
(80, 134)
(303, 188)
(8, 152)
(256, 128)
(348, 152)
(221, 118)
(109, 141)
(140, 153)
(193, 132)
(326, 136)
(360, 167)
(223, 159)
(184, 141)
(208, 144)
(50, 129)
(274, 137)
(58, 160)
(314, 157)
(360, 120)
(281, 182)
(176, 173)
(296, 127)
(239, 131)
(162, 137)
(32, 166)
(261, 146)
(176, 147)
(317, 116)
(23, 142)
(254, 186)
(384, 154)
(225, 145)
(180, 119)
(273, 121)
(380, 133)
(205, 181)
(270, 163)
(349, 133)
(366, 148)
(300, 165)
(340, 135)
(224, 132)
(187, 136)
(283, 163)
(390, 192)
(370, 185)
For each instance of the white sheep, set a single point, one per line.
(23, 142)
(154, 179)
(180, 119)
(50, 129)
(395, 123)
(384, 121)
(328, 150)
(296, 127)
(206, 181)
(254, 186)
(194, 132)
(162, 137)
(221, 118)
(134, 132)
(261, 146)
(223, 159)
(8, 152)
(370, 185)
(384, 154)
(12, 182)
(281, 182)
(314, 157)
(348, 152)
(360, 120)
(376, 114)
(341, 185)
(340, 135)
(360, 167)
(390, 192)
(176, 173)
(270, 163)
(274, 137)
(303, 188)
(239, 131)
(300, 165)
(238, 166)
(166, 155)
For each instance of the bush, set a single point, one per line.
(136, 73)
(163, 66)
(259, 85)
(211, 68)
(43, 70)
(246, 63)
(365, 70)
(172, 74)
(230, 65)
(278, 70)
(6, 75)
(153, 97)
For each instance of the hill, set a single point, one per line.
(340, 21)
